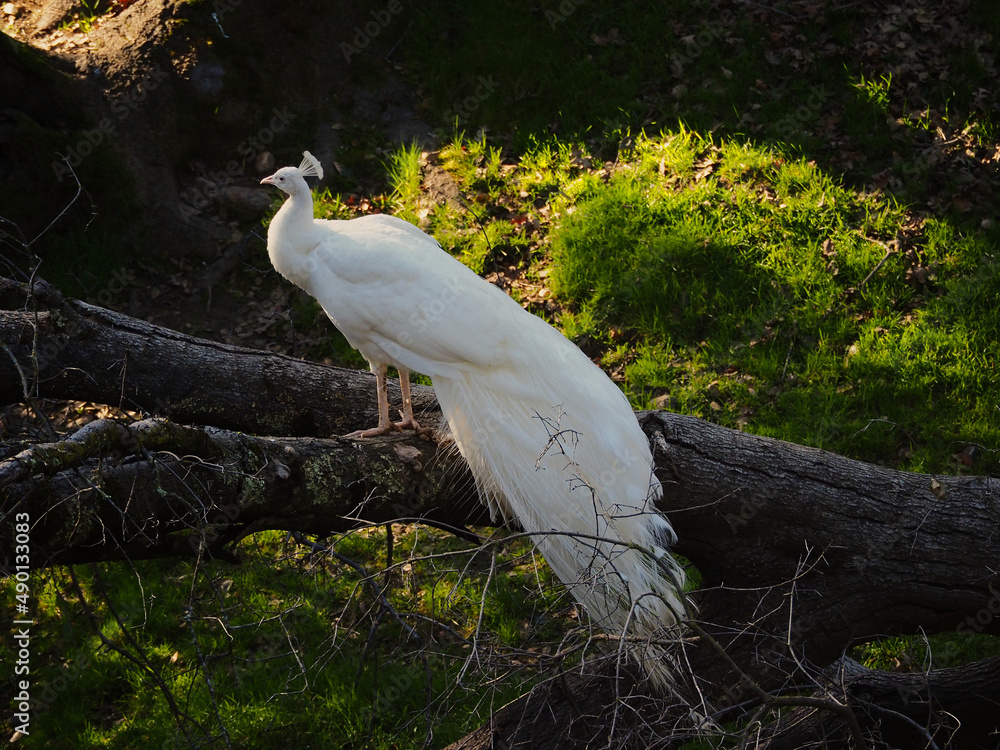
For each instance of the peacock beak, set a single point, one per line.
(267, 181)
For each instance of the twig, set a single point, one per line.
(142, 663)
(788, 356)
(389, 544)
(206, 674)
(772, 701)
(474, 651)
(888, 251)
(79, 190)
(931, 745)
(479, 222)
(378, 595)
(459, 531)
(772, 10)
(29, 399)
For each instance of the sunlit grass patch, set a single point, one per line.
(745, 285)
(742, 262)
(735, 282)
(751, 267)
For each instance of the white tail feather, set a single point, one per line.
(569, 462)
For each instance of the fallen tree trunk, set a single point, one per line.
(88, 353)
(801, 552)
(954, 706)
(173, 491)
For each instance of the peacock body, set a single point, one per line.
(550, 440)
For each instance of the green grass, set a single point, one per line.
(403, 172)
(286, 645)
(752, 288)
(84, 19)
(918, 653)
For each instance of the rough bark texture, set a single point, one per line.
(852, 549)
(802, 552)
(905, 708)
(93, 354)
(147, 501)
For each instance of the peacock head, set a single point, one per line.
(292, 179)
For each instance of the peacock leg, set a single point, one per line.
(382, 392)
(408, 423)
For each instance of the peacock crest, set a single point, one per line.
(310, 166)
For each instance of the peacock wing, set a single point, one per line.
(402, 300)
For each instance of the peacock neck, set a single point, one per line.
(289, 237)
(297, 212)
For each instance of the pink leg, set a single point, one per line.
(382, 393)
(408, 423)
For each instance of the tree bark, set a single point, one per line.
(158, 489)
(906, 710)
(802, 552)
